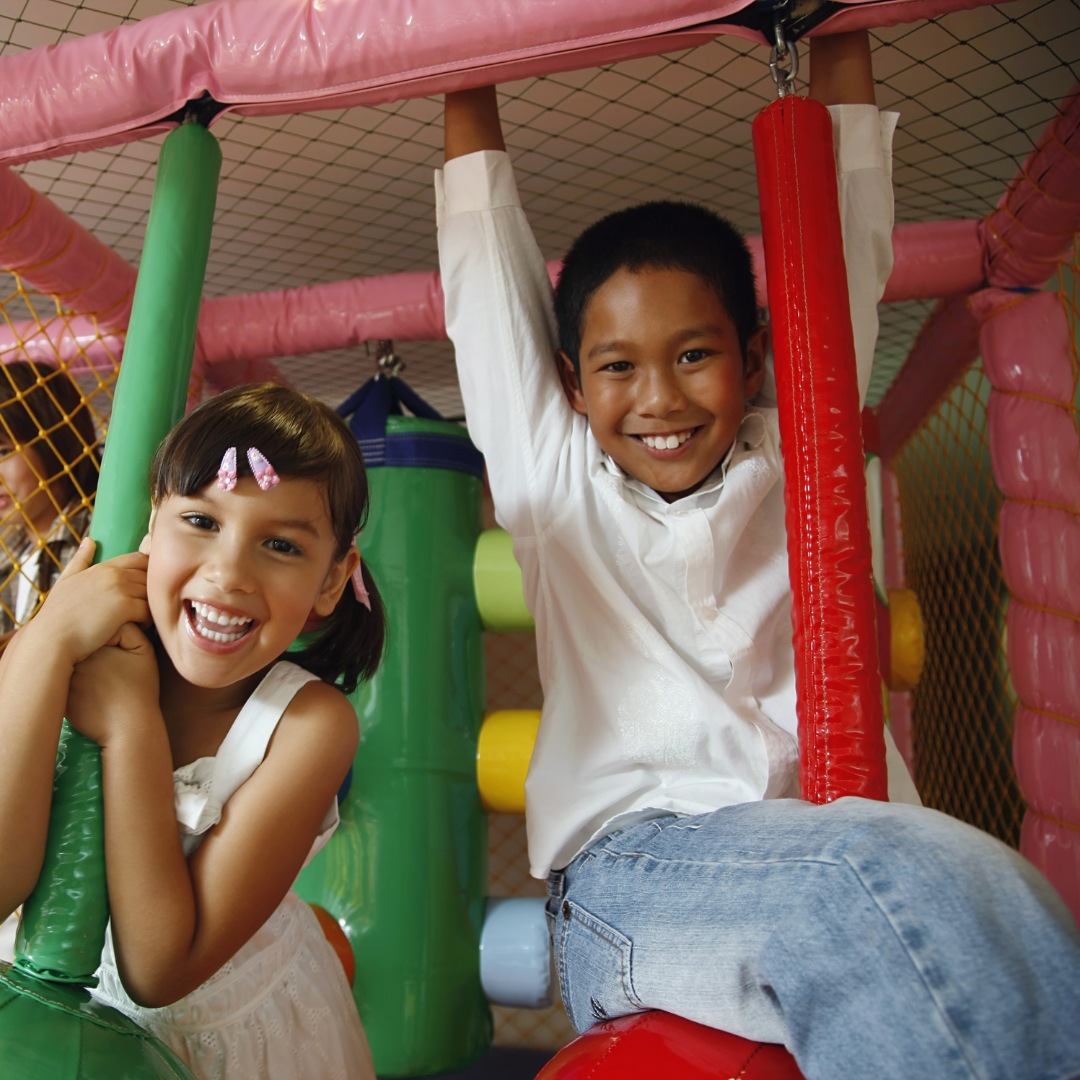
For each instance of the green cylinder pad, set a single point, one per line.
(49, 1030)
(500, 595)
(154, 376)
(406, 871)
(63, 925)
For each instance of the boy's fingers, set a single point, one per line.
(83, 557)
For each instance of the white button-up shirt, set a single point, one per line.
(663, 630)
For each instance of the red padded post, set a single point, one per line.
(841, 724)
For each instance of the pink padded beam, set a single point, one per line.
(946, 345)
(57, 255)
(301, 55)
(931, 259)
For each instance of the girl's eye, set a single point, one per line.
(201, 521)
(692, 356)
(283, 547)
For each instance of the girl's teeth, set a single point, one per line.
(217, 617)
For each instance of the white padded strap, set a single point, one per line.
(244, 747)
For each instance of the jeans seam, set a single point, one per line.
(950, 1027)
(735, 865)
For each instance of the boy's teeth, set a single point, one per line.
(666, 442)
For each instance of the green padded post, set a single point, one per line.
(151, 392)
(406, 872)
(49, 1030)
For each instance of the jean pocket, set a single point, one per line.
(595, 968)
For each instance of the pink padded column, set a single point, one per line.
(1035, 447)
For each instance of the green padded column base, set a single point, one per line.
(57, 1031)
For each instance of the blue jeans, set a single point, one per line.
(875, 940)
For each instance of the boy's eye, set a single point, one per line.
(201, 521)
(283, 546)
(692, 356)
(618, 366)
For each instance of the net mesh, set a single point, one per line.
(54, 405)
(963, 705)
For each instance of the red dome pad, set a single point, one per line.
(655, 1045)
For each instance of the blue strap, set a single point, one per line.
(382, 397)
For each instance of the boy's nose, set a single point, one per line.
(662, 394)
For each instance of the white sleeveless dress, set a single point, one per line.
(281, 1008)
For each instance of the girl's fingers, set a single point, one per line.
(132, 639)
(81, 560)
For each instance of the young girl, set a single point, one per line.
(257, 499)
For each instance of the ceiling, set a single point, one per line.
(322, 196)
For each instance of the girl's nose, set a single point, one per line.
(230, 568)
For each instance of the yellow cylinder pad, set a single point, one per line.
(500, 595)
(506, 744)
(908, 639)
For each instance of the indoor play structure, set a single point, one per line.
(404, 879)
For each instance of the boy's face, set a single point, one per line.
(661, 365)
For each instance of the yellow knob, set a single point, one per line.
(908, 640)
(503, 753)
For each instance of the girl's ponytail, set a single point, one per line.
(348, 645)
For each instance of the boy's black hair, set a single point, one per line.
(303, 439)
(661, 236)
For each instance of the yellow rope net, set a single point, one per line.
(57, 373)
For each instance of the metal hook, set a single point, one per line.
(785, 80)
(389, 363)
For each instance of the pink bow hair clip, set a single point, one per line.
(359, 588)
(226, 475)
(261, 469)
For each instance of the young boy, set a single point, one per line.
(639, 472)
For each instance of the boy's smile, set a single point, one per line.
(663, 379)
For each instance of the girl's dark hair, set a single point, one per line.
(303, 439)
(43, 410)
(660, 236)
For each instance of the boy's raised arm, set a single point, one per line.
(472, 122)
(842, 77)
(841, 72)
(499, 316)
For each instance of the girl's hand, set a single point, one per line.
(89, 604)
(115, 687)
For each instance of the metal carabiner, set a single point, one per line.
(785, 80)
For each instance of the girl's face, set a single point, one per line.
(19, 483)
(234, 575)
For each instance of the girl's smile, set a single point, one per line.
(215, 628)
(234, 575)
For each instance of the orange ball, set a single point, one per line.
(338, 941)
